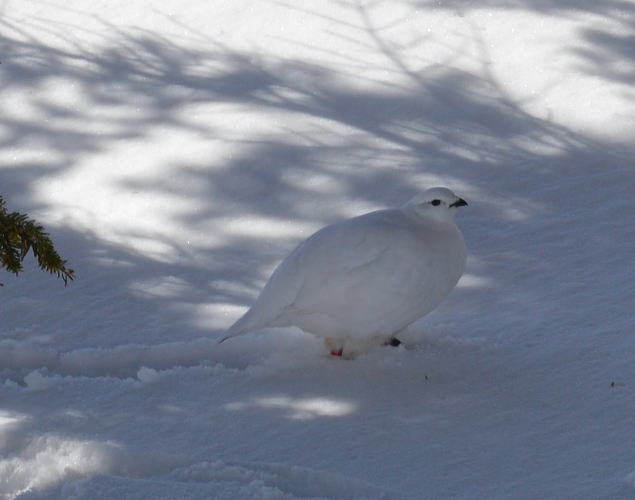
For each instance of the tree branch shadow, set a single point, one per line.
(438, 124)
(337, 147)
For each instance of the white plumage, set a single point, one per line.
(359, 282)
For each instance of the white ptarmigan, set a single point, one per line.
(359, 282)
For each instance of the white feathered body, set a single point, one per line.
(363, 278)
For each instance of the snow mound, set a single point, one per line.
(123, 361)
(218, 480)
(48, 459)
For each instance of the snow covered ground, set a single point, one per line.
(177, 150)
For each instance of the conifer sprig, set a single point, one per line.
(19, 235)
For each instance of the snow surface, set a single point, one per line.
(177, 151)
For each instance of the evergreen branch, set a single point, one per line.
(20, 235)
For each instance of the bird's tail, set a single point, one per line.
(242, 325)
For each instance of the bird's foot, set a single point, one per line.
(393, 342)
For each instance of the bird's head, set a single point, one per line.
(437, 202)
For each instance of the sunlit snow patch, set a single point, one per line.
(300, 408)
(48, 460)
(473, 281)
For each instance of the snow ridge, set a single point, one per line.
(135, 477)
(120, 361)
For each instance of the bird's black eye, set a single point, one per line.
(436, 203)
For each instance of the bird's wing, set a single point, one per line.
(309, 269)
(361, 271)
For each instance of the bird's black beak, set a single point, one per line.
(459, 203)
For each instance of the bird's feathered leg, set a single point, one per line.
(335, 347)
